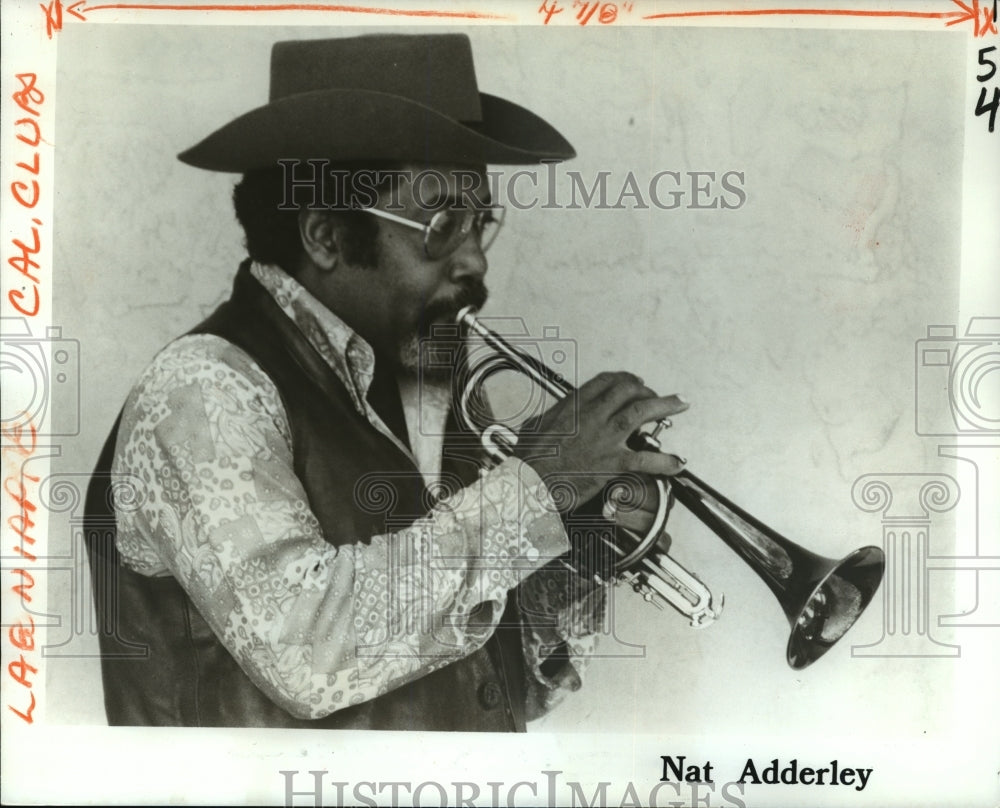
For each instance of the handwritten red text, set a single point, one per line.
(26, 192)
(18, 446)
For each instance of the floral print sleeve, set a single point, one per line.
(563, 615)
(314, 625)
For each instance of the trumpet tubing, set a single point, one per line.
(821, 597)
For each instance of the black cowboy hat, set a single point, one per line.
(379, 97)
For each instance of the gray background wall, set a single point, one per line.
(789, 322)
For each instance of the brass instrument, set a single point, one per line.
(822, 598)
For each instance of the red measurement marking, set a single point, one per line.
(549, 9)
(609, 13)
(981, 17)
(586, 12)
(821, 12)
(54, 15)
(464, 15)
(606, 13)
(972, 12)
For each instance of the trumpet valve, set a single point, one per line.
(640, 585)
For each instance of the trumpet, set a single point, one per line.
(821, 597)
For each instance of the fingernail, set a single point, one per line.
(683, 460)
(681, 399)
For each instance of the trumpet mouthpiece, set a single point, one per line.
(466, 316)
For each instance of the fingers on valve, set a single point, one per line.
(655, 463)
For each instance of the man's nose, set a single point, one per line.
(469, 260)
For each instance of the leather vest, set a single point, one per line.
(162, 664)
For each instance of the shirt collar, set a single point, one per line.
(352, 359)
(347, 353)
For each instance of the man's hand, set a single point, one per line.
(582, 440)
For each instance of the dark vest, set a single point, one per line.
(162, 664)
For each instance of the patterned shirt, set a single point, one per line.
(319, 627)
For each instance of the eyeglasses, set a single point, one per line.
(448, 228)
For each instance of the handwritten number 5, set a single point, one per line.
(984, 62)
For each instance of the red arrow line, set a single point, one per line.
(467, 15)
(832, 12)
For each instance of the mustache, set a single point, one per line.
(472, 293)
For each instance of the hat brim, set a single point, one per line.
(353, 125)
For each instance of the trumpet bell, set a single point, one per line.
(836, 595)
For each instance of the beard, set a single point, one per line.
(431, 350)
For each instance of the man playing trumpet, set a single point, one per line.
(311, 542)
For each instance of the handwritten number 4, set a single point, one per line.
(982, 107)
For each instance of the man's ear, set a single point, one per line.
(320, 238)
